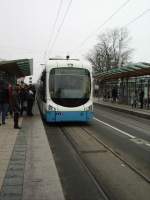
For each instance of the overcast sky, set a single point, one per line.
(26, 27)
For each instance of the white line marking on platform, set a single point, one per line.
(123, 132)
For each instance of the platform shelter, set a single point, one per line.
(128, 79)
(11, 70)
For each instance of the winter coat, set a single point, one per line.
(15, 102)
(4, 95)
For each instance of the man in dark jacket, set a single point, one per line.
(141, 97)
(30, 100)
(16, 105)
(4, 100)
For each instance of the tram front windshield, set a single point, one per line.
(70, 87)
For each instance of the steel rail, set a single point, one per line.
(88, 170)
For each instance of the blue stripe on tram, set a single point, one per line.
(57, 116)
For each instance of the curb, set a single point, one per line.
(138, 114)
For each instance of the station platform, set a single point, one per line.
(144, 113)
(27, 167)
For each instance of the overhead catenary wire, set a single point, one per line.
(53, 28)
(105, 22)
(138, 17)
(60, 27)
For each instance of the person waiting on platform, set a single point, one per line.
(4, 100)
(141, 97)
(16, 105)
(30, 100)
(23, 98)
(114, 94)
(134, 99)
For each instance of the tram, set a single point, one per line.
(65, 91)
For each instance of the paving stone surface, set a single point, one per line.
(13, 172)
(8, 137)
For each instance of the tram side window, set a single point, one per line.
(43, 87)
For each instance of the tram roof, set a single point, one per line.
(130, 70)
(19, 68)
(67, 63)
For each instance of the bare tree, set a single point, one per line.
(112, 50)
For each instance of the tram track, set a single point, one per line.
(81, 153)
(88, 170)
(76, 179)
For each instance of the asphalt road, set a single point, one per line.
(127, 135)
(102, 146)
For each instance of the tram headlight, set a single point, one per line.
(51, 108)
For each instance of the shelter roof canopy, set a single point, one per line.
(130, 70)
(19, 68)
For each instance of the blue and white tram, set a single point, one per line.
(65, 91)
